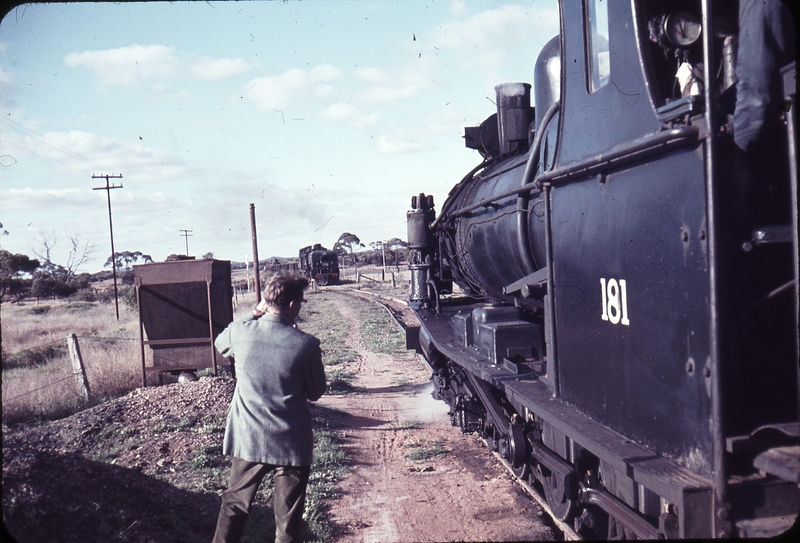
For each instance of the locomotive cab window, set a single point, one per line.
(598, 63)
(674, 55)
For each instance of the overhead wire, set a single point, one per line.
(42, 139)
(22, 151)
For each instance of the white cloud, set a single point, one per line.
(482, 41)
(292, 88)
(87, 152)
(7, 88)
(351, 115)
(397, 144)
(384, 86)
(138, 64)
(458, 7)
(27, 199)
(209, 69)
(5, 79)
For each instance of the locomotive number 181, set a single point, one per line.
(615, 301)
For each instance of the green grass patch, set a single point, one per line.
(406, 425)
(207, 456)
(426, 451)
(110, 443)
(339, 381)
(320, 318)
(166, 427)
(215, 426)
(380, 332)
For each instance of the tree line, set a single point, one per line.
(392, 252)
(22, 276)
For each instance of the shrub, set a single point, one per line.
(85, 295)
(127, 296)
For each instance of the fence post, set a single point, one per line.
(394, 283)
(358, 278)
(77, 366)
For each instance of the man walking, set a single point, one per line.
(278, 368)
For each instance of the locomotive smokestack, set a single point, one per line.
(514, 116)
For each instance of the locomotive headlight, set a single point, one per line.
(682, 28)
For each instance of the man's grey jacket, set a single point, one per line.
(278, 368)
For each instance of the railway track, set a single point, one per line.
(404, 318)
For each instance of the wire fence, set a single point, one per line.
(28, 393)
(34, 378)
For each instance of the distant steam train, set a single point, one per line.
(624, 331)
(318, 263)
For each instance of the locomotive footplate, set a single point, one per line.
(448, 342)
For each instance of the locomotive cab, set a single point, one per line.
(627, 337)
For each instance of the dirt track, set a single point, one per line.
(127, 469)
(461, 495)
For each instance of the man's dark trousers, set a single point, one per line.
(289, 500)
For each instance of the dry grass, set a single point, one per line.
(31, 325)
(38, 379)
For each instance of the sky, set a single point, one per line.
(327, 115)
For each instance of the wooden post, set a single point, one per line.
(77, 366)
(138, 285)
(209, 280)
(256, 269)
(394, 283)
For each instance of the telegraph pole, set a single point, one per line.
(186, 234)
(108, 188)
(253, 237)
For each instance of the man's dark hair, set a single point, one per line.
(283, 288)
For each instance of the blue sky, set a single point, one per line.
(327, 115)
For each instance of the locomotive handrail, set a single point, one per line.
(616, 157)
(621, 155)
(458, 188)
(523, 199)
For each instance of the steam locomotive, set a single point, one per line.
(318, 263)
(610, 297)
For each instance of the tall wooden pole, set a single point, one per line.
(257, 276)
(108, 188)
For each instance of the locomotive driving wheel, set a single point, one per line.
(555, 491)
(518, 451)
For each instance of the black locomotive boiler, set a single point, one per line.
(318, 263)
(610, 297)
